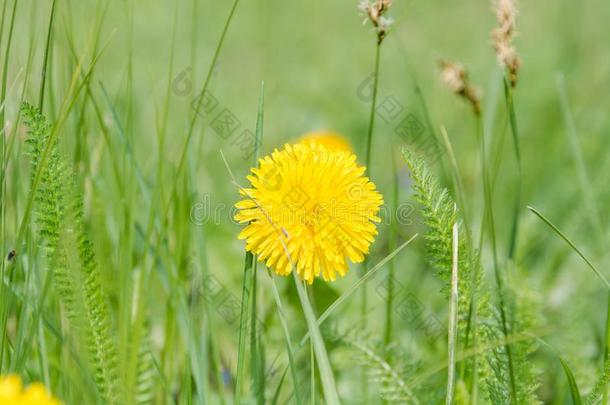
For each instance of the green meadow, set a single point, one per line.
(128, 130)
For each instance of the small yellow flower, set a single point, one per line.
(13, 393)
(311, 207)
(329, 139)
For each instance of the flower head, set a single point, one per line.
(374, 12)
(13, 393)
(502, 36)
(455, 78)
(309, 208)
(330, 140)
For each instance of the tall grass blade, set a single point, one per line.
(326, 373)
(574, 392)
(510, 105)
(354, 287)
(256, 357)
(206, 83)
(248, 297)
(286, 331)
(453, 317)
(389, 308)
(45, 59)
(571, 244)
(4, 310)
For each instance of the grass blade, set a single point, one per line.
(45, 60)
(326, 374)
(206, 83)
(389, 308)
(453, 318)
(510, 105)
(249, 276)
(574, 392)
(572, 245)
(256, 359)
(285, 330)
(362, 280)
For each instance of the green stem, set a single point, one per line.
(326, 374)
(250, 277)
(256, 377)
(245, 293)
(606, 353)
(391, 266)
(453, 317)
(4, 311)
(572, 245)
(45, 60)
(289, 348)
(515, 133)
(369, 142)
(312, 376)
(488, 212)
(206, 84)
(369, 135)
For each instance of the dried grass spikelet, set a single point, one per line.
(502, 37)
(374, 12)
(455, 77)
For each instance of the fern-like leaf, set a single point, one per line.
(59, 215)
(439, 213)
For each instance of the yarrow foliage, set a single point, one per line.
(310, 207)
(59, 213)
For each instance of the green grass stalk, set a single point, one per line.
(489, 215)
(248, 295)
(572, 245)
(255, 355)
(595, 218)
(286, 331)
(4, 310)
(45, 59)
(389, 308)
(206, 83)
(453, 318)
(510, 105)
(368, 152)
(327, 378)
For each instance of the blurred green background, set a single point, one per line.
(314, 58)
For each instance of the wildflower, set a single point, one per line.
(13, 393)
(502, 36)
(374, 12)
(330, 140)
(455, 77)
(309, 207)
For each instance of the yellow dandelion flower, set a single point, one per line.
(329, 139)
(311, 207)
(13, 393)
